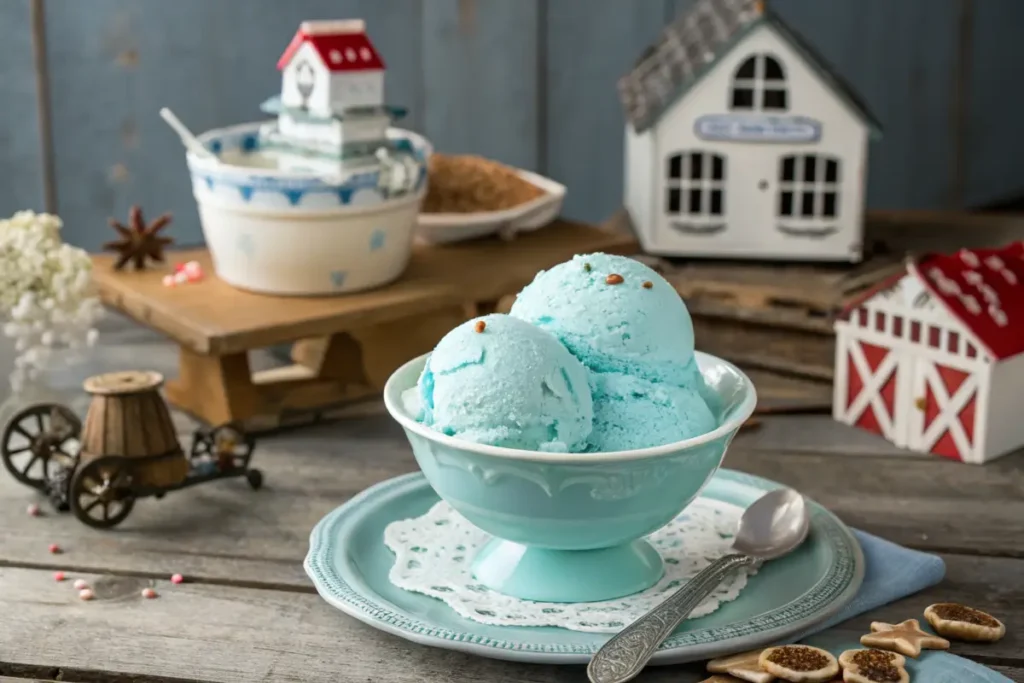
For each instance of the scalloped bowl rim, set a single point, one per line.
(197, 162)
(740, 414)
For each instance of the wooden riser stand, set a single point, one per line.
(344, 348)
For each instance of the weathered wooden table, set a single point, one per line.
(346, 347)
(248, 612)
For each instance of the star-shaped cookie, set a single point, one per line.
(744, 666)
(906, 637)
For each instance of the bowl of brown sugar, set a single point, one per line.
(470, 196)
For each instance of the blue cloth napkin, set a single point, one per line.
(893, 572)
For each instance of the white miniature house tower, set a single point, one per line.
(741, 142)
(933, 358)
(331, 106)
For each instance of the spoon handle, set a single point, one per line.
(627, 652)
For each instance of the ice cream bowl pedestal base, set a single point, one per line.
(570, 527)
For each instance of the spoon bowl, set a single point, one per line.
(773, 526)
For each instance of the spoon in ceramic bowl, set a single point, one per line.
(190, 141)
(774, 525)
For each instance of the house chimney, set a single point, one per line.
(318, 28)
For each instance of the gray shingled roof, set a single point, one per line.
(690, 46)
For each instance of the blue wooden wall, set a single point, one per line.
(529, 82)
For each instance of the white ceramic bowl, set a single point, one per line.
(443, 228)
(299, 233)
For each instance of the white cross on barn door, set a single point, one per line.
(872, 381)
(943, 419)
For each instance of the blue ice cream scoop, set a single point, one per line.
(630, 413)
(615, 314)
(500, 381)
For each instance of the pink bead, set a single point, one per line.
(80, 584)
(55, 549)
(32, 510)
(59, 576)
(177, 578)
(148, 593)
(86, 594)
(180, 278)
(179, 267)
(168, 281)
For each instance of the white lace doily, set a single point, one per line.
(433, 554)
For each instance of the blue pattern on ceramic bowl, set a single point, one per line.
(357, 186)
(569, 527)
(306, 232)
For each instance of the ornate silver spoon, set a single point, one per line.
(774, 525)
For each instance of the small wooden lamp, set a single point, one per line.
(127, 417)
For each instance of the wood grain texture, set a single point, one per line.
(115, 63)
(996, 66)
(249, 612)
(590, 45)
(262, 627)
(480, 70)
(211, 317)
(900, 57)
(20, 157)
(225, 533)
(919, 501)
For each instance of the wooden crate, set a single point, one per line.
(345, 347)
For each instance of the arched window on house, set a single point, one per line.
(759, 84)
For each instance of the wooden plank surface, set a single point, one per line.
(114, 64)
(247, 598)
(589, 47)
(900, 58)
(995, 64)
(482, 78)
(213, 317)
(20, 159)
(284, 636)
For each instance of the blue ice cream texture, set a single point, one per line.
(633, 332)
(631, 413)
(509, 384)
(623, 327)
(596, 355)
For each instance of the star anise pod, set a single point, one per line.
(139, 241)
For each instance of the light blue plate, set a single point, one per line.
(349, 564)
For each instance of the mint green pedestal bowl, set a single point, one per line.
(570, 527)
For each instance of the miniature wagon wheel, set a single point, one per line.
(37, 438)
(101, 492)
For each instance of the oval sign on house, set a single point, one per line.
(755, 128)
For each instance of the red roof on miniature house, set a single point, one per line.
(982, 288)
(342, 45)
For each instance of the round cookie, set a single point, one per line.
(799, 663)
(873, 666)
(960, 622)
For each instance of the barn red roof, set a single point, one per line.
(982, 288)
(345, 48)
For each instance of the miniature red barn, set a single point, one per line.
(933, 359)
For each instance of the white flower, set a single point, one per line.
(46, 292)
